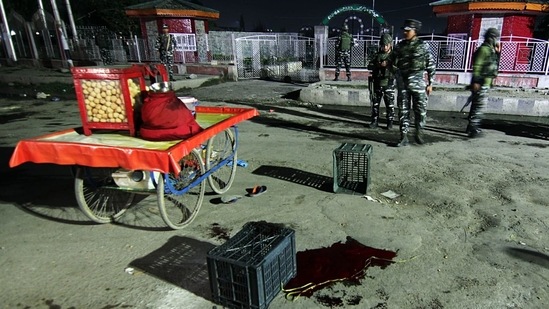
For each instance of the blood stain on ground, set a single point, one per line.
(342, 262)
(354, 300)
(219, 232)
(330, 301)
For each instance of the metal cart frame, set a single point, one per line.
(110, 178)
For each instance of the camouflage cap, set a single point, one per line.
(492, 33)
(412, 24)
(385, 39)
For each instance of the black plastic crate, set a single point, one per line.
(249, 270)
(352, 168)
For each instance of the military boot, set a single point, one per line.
(473, 131)
(348, 78)
(403, 140)
(389, 124)
(419, 137)
(374, 124)
(336, 77)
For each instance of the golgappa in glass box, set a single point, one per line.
(109, 97)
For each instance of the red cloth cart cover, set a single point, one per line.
(165, 117)
(69, 147)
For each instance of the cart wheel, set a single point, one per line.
(97, 194)
(180, 197)
(220, 147)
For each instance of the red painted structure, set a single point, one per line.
(515, 20)
(181, 16)
(472, 17)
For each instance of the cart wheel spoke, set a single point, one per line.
(180, 196)
(219, 148)
(97, 196)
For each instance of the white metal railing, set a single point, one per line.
(518, 54)
(185, 42)
(274, 55)
(451, 53)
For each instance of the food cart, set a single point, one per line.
(114, 169)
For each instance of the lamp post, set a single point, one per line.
(71, 20)
(62, 38)
(7, 34)
(46, 32)
(373, 5)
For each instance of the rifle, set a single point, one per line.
(469, 99)
(468, 87)
(371, 89)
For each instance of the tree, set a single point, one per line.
(24, 7)
(542, 30)
(259, 27)
(242, 26)
(107, 13)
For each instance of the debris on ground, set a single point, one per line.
(390, 194)
(42, 95)
(369, 198)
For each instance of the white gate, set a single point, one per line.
(276, 56)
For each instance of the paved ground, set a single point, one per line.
(27, 82)
(469, 226)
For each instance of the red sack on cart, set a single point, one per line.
(165, 118)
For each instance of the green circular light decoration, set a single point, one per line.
(355, 8)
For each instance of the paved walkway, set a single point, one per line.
(510, 101)
(31, 75)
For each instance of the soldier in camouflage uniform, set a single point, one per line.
(485, 69)
(102, 41)
(165, 44)
(412, 59)
(383, 83)
(343, 53)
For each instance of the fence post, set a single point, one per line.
(322, 52)
(233, 44)
(467, 50)
(546, 58)
(321, 36)
(137, 48)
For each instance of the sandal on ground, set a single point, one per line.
(257, 190)
(229, 199)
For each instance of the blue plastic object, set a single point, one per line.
(238, 163)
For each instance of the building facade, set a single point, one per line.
(187, 21)
(471, 18)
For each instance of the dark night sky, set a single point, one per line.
(295, 14)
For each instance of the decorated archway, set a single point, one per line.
(355, 8)
(350, 19)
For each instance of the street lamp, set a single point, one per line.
(7, 34)
(373, 5)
